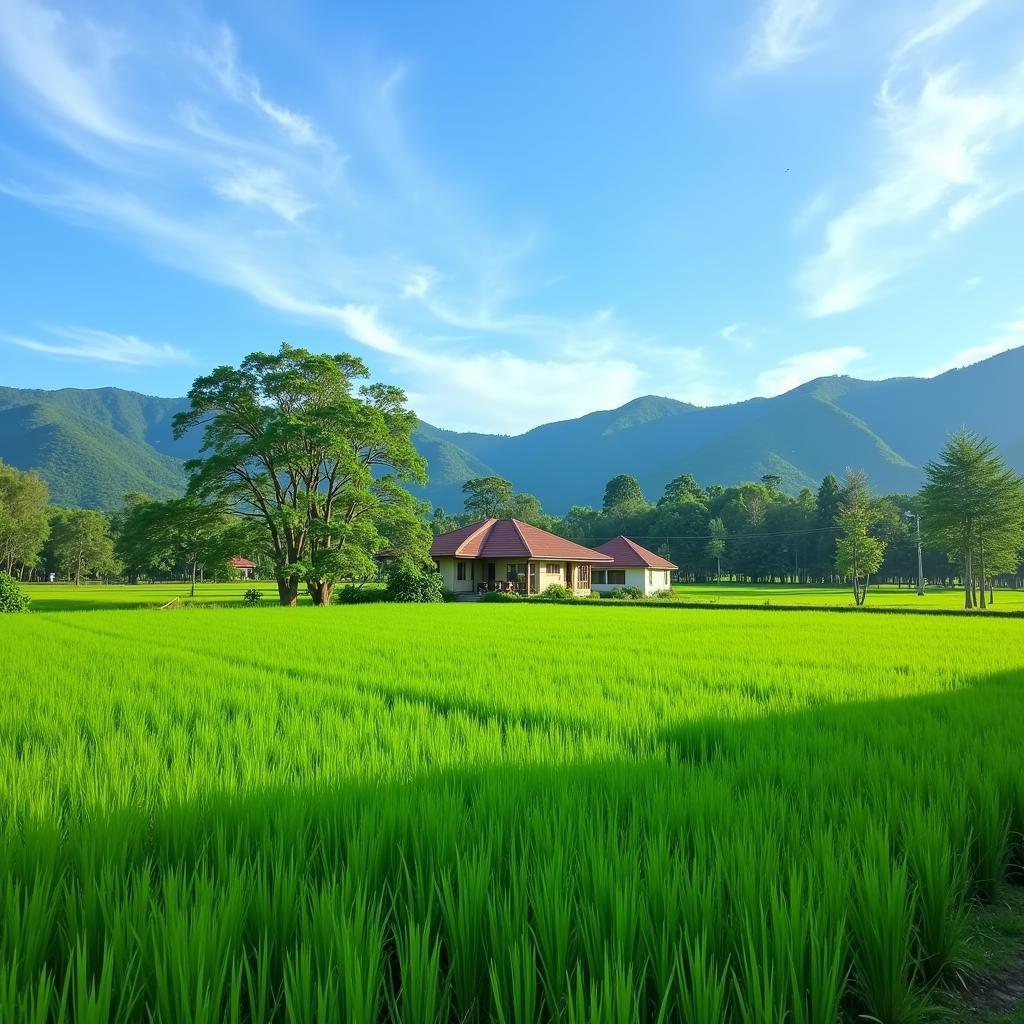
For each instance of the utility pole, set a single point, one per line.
(920, 565)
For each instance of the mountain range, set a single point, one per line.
(92, 446)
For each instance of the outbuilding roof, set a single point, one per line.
(242, 563)
(626, 553)
(509, 538)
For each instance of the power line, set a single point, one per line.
(731, 536)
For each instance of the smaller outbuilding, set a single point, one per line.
(631, 566)
(243, 567)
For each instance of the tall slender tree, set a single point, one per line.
(973, 508)
(858, 553)
(716, 545)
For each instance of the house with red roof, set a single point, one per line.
(506, 554)
(243, 567)
(631, 566)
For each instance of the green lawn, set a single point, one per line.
(882, 596)
(488, 812)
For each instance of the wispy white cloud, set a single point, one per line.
(786, 31)
(970, 283)
(102, 346)
(741, 336)
(64, 68)
(810, 213)
(799, 369)
(950, 151)
(263, 186)
(944, 17)
(221, 59)
(1007, 336)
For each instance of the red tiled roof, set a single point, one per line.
(627, 553)
(243, 563)
(509, 538)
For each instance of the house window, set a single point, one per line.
(600, 577)
(583, 579)
(460, 570)
(553, 569)
(617, 576)
(515, 572)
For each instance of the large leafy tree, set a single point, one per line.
(487, 497)
(858, 552)
(972, 507)
(24, 524)
(623, 495)
(680, 488)
(715, 547)
(80, 543)
(131, 542)
(291, 444)
(823, 547)
(182, 531)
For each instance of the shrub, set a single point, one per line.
(11, 597)
(556, 592)
(253, 596)
(410, 582)
(630, 593)
(498, 596)
(350, 594)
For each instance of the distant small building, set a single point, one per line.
(243, 567)
(507, 555)
(631, 566)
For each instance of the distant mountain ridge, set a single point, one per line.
(92, 446)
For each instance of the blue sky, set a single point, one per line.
(518, 212)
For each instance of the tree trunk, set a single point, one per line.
(288, 591)
(192, 593)
(968, 582)
(320, 592)
(981, 575)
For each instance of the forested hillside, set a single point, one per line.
(92, 446)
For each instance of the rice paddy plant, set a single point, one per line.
(464, 814)
(938, 872)
(883, 932)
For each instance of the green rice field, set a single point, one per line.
(513, 813)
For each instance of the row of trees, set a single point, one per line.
(36, 537)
